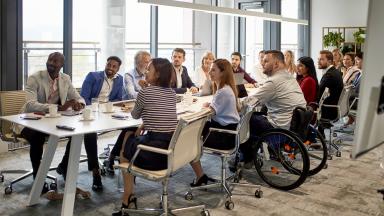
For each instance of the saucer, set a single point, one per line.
(91, 119)
(109, 111)
(52, 116)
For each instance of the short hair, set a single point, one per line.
(359, 55)
(276, 54)
(237, 54)
(139, 55)
(206, 54)
(57, 53)
(164, 68)
(262, 51)
(114, 58)
(328, 54)
(179, 50)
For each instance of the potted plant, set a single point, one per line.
(359, 36)
(333, 39)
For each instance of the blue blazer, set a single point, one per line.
(94, 82)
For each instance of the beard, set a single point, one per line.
(50, 68)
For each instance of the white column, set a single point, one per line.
(113, 32)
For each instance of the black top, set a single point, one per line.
(186, 82)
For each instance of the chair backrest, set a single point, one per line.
(186, 143)
(301, 117)
(321, 102)
(243, 126)
(11, 103)
(343, 102)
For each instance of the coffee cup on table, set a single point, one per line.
(52, 109)
(109, 107)
(87, 114)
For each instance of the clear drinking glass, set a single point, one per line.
(95, 104)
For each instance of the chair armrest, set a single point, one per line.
(223, 130)
(328, 105)
(153, 149)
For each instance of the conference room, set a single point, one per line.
(191, 107)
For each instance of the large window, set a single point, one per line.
(176, 30)
(254, 41)
(225, 32)
(42, 33)
(86, 39)
(289, 31)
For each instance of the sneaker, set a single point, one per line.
(97, 185)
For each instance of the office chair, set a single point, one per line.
(185, 147)
(11, 103)
(242, 134)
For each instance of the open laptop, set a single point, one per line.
(239, 78)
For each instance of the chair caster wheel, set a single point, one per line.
(205, 213)
(1, 178)
(334, 134)
(325, 166)
(329, 157)
(338, 154)
(53, 186)
(8, 190)
(188, 196)
(229, 205)
(258, 193)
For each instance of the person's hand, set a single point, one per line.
(194, 90)
(249, 85)
(206, 104)
(77, 106)
(143, 83)
(71, 103)
(139, 130)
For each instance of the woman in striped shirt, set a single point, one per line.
(224, 105)
(156, 105)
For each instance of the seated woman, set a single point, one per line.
(203, 70)
(224, 105)
(307, 79)
(289, 58)
(355, 88)
(156, 105)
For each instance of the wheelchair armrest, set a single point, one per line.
(328, 105)
(223, 131)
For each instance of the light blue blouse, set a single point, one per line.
(224, 103)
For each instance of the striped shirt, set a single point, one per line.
(157, 107)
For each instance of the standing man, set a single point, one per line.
(44, 88)
(236, 60)
(182, 82)
(100, 84)
(135, 79)
(333, 81)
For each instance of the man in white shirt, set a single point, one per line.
(258, 75)
(135, 79)
(280, 93)
(183, 82)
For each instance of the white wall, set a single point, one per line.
(334, 13)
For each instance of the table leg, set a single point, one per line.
(46, 161)
(72, 171)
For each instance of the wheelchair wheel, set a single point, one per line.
(281, 159)
(317, 151)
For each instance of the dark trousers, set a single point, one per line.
(217, 140)
(119, 142)
(258, 125)
(90, 144)
(36, 141)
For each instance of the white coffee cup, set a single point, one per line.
(52, 109)
(109, 107)
(87, 114)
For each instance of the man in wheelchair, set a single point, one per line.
(280, 94)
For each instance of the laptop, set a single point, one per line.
(239, 78)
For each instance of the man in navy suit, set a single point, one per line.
(182, 82)
(106, 85)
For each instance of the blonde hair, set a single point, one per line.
(227, 78)
(206, 55)
(291, 67)
(340, 63)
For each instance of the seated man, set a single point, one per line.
(236, 60)
(280, 94)
(182, 81)
(100, 84)
(44, 88)
(333, 81)
(134, 80)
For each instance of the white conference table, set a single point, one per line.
(102, 122)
